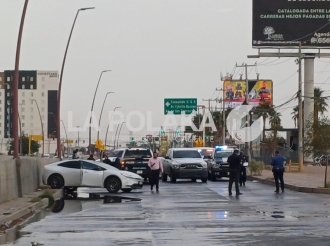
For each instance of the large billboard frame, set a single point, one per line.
(283, 24)
(242, 92)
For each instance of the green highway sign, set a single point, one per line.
(180, 105)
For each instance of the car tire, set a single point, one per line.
(126, 190)
(164, 177)
(193, 180)
(204, 180)
(113, 184)
(213, 177)
(56, 181)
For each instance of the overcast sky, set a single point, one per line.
(156, 49)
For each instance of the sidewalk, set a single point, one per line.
(310, 180)
(15, 212)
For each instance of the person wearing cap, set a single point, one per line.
(156, 166)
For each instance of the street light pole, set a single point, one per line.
(119, 132)
(15, 84)
(105, 98)
(90, 119)
(106, 134)
(78, 137)
(20, 127)
(114, 142)
(66, 135)
(60, 88)
(300, 115)
(42, 128)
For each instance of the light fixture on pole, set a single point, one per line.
(90, 119)
(106, 133)
(105, 98)
(58, 118)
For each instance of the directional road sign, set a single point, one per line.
(180, 105)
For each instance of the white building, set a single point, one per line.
(36, 89)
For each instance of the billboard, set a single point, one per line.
(278, 23)
(260, 92)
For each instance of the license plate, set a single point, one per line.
(228, 173)
(139, 172)
(216, 173)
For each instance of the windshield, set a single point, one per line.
(186, 154)
(220, 154)
(206, 152)
(137, 153)
(113, 154)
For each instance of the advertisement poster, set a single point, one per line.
(260, 92)
(278, 23)
(234, 93)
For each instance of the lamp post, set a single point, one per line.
(15, 83)
(119, 132)
(106, 134)
(66, 135)
(105, 98)
(90, 119)
(42, 128)
(114, 142)
(60, 88)
(78, 136)
(20, 129)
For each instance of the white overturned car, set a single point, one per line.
(84, 173)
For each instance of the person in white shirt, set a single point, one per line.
(156, 166)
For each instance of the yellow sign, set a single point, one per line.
(198, 142)
(69, 141)
(36, 137)
(98, 142)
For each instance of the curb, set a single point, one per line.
(292, 187)
(29, 209)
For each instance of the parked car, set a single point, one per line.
(218, 166)
(85, 173)
(184, 163)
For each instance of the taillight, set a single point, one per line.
(122, 163)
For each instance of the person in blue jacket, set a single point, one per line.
(278, 163)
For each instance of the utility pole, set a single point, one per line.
(210, 100)
(223, 117)
(300, 116)
(248, 144)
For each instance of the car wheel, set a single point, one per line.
(113, 184)
(204, 180)
(56, 181)
(164, 177)
(213, 177)
(126, 190)
(193, 180)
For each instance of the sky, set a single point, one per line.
(155, 49)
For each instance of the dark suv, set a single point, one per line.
(135, 160)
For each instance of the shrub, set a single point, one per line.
(256, 167)
(327, 185)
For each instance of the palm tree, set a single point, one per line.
(295, 115)
(263, 111)
(320, 103)
(275, 121)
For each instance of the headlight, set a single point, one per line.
(204, 165)
(127, 176)
(176, 166)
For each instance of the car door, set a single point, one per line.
(71, 172)
(92, 174)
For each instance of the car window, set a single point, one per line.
(118, 153)
(71, 164)
(137, 153)
(206, 152)
(220, 154)
(112, 154)
(90, 166)
(186, 154)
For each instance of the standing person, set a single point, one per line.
(106, 160)
(277, 163)
(234, 168)
(91, 158)
(74, 154)
(156, 166)
(242, 178)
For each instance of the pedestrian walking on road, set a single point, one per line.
(91, 158)
(278, 163)
(234, 172)
(156, 166)
(242, 178)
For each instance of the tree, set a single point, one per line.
(275, 125)
(263, 111)
(25, 142)
(317, 139)
(320, 103)
(268, 30)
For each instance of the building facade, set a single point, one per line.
(37, 99)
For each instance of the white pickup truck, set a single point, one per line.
(184, 163)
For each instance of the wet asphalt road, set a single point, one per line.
(188, 213)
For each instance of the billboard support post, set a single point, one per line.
(300, 118)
